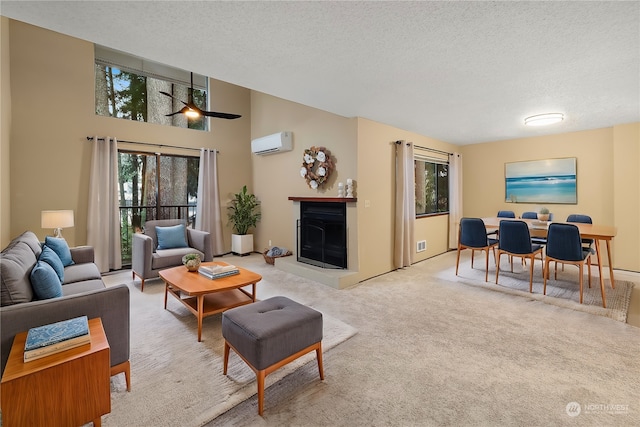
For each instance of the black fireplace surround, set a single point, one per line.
(322, 234)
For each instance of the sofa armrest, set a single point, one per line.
(82, 254)
(141, 254)
(110, 304)
(201, 240)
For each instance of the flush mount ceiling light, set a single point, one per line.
(544, 119)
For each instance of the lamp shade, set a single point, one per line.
(57, 219)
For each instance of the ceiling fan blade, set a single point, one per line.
(181, 111)
(221, 115)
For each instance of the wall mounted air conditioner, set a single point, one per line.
(281, 141)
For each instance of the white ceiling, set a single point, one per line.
(461, 72)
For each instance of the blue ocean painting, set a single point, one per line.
(541, 181)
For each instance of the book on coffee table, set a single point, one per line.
(56, 337)
(218, 271)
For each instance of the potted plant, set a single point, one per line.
(543, 214)
(244, 214)
(191, 261)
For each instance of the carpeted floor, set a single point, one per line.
(431, 352)
(427, 352)
(178, 381)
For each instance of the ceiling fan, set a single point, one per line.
(191, 110)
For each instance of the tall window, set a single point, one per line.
(129, 88)
(432, 187)
(155, 186)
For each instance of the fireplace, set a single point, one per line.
(322, 234)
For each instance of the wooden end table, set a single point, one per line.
(63, 389)
(205, 297)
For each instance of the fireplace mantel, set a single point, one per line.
(324, 199)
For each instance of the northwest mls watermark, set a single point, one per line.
(574, 409)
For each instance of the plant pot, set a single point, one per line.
(191, 264)
(242, 244)
(543, 217)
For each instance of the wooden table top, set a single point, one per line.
(589, 231)
(16, 367)
(194, 283)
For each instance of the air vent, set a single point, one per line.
(421, 246)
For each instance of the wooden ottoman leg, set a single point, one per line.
(319, 357)
(260, 377)
(226, 357)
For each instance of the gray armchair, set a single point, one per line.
(147, 260)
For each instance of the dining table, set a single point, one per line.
(597, 232)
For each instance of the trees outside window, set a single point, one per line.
(135, 96)
(432, 187)
(154, 186)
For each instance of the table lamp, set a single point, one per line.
(57, 220)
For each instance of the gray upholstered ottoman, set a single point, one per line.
(271, 333)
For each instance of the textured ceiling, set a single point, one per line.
(461, 72)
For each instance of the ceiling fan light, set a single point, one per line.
(192, 113)
(544, 119)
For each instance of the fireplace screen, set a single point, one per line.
(322, 234)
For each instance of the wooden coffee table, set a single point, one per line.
(205, 297)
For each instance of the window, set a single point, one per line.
(129, 88)
(154, 186)
(432, 187)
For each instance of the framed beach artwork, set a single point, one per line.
(541, 181)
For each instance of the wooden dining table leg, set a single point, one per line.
(613, 282)
(599, 256)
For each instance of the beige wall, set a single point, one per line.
(5, 134)
(376, 195)
(607, 163)
(626, 195)
(277, 176)
(53, 112)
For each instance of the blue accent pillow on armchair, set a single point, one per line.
(61, 248)
(45, 282)
(171, 237)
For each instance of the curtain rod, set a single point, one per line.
(90, 138)
(428, 149)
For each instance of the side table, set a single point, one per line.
(63, 389)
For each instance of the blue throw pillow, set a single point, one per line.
(61, 248)
(45, 282)
(50, 257)
(171, 237)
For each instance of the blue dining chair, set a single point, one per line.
(529, 215)
(473, 235)
(515, 241)
(506, 214)
(584, 219)
(564, 245)
(502, 214)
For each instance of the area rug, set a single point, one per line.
(176, 380)
(563, 292)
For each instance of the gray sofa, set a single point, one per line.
(147, 260)
(84, 293)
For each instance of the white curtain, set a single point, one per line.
(103, 222)
(405, 215)
(208, 216)
(455, 198)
